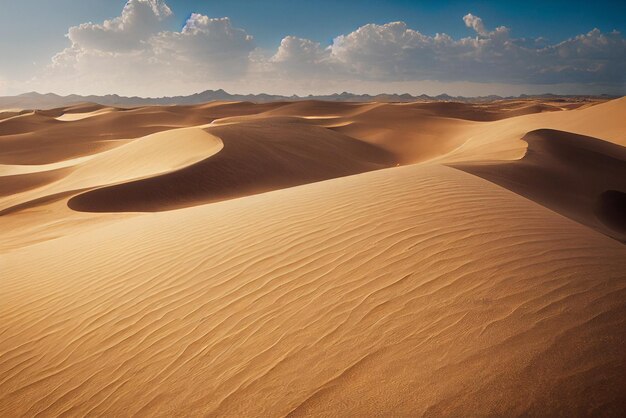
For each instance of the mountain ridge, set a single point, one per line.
(35, 100)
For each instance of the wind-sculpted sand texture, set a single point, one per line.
(302, 272)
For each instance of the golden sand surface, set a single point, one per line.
(314, 259)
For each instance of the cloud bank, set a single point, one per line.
(135, 54)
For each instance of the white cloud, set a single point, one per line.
(133, 50)
(139, 20)
(589, 58)
(294, 49)
(303, 57)
(383, 51)
(475, 23)
(394, 52)
(205, 47)
(134, 54)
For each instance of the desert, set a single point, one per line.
(313, 258)
(291, 208)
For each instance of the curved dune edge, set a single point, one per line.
(420, 290)
(71, 117)
(15, 170)
(502, 139)
(256, 157)
(39, 138)
(568, 173)
(149, 156)
(7, 114)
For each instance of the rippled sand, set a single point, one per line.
(314, 259)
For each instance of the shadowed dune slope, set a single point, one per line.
(257, 157)
(578, 176)
(149, 156)
(418, 290)
(610, 209)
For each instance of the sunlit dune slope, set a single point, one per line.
(16, 183)
(256, 157)
(44, 137)
(11, 113)
(151, 155)
(417, 290)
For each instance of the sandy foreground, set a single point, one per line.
(314, 259)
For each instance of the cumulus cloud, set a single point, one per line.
(475, 23)
(139, 20)
(394, 52)
(383, 51)
(134, 51)
(301, 56)
(294, 49)
(587, 58)
(213, 47)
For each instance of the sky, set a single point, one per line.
(170, 47)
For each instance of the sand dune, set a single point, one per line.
(404, 287)
(234, 259)
(149, 156)
(579, 176)
(17, 183)
(410, 134)
(319, 108)
(257, 157)
(11, 113)
(70, 117)
(40, 138)
(502, 139)
(484, 111)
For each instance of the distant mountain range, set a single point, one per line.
(34, 100)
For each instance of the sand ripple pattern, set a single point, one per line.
(421, 290)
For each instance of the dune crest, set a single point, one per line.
(576, 175)
(255, 158)
(146, 157)
(71, 117)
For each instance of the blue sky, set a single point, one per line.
(33, 31)
(322, 20)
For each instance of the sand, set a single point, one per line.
(314, 259)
